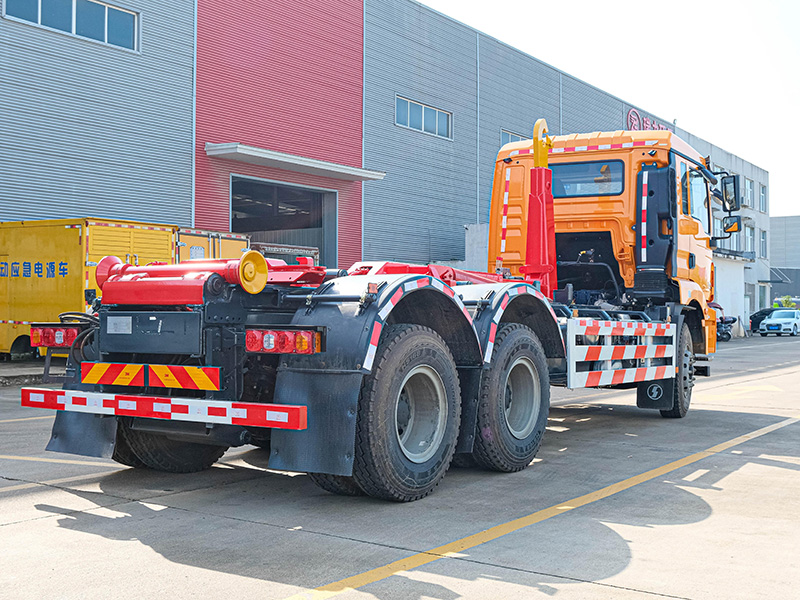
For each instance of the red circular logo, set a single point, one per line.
(634, 120)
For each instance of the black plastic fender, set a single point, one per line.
(329, 383)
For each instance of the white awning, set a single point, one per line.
(290, 162)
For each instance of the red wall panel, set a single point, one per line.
(285, 76)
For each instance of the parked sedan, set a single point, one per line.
(784, 320)
(758, 316)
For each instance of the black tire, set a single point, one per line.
(726, 337)
(337, 484)
(162, 454)
(463, 461)
(409, 413)
(684, 380)
(794, 330)
(123, 454)
(763, 335)
(513, 403)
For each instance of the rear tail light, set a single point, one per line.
(53, 337)
(283, 342)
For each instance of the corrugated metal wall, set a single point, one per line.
(89, 129)
(418, 211)
(284, 76)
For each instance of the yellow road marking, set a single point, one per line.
(27, 419)
(459, 546)
(55, 460)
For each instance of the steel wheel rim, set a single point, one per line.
(420, 414)
(523, 398)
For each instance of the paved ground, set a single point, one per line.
(620, 504)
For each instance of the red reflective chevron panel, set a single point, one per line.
(184, 378)
(279, 416)
(112, 374)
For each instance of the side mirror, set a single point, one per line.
(731, 224)
(731, 193)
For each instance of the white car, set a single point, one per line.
(781, 321)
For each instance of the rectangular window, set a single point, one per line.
(422, 117)
(749, 239)
(573, 180)
(684, 190)
(506, 137)
(699, 198)
(763, 249)
(762, 297)
(748, 192)
(83, 18)
(762, 204)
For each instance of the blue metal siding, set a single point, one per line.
(89, 129)
(418, 211)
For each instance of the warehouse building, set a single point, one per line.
(367, 128)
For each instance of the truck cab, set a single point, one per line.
(632, 215)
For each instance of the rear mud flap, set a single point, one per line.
(328, 444)
(656, 394)
(84, 434)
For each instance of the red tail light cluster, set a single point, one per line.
(277, 341)
(53, 337)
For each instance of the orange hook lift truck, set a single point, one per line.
(372, 379)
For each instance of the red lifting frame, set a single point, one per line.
(540, 250)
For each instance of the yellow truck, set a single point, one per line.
(45, 266)
(199, 243)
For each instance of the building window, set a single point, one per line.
(762, 204)
(506, 137)
(748, 192)
(427, 119)
(83, 18)
(763, 249)
(749, 239)
(762, 296)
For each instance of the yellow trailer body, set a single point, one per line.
(45, 266)
(199, 243)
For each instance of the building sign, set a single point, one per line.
(636, 122)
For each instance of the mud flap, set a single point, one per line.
(328, 444)
(658, 394)
(84, 434)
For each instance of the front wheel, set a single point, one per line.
(514, 402)
(408, 417)
(794, 330)
(684, 379)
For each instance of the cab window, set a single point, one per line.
(699, 198)
(684, 190)
(600, 178)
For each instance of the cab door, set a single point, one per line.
(694, 256)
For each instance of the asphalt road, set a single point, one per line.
(620, 503)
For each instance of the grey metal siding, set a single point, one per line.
(88, 129)
(418, 211)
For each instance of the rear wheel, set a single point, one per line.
(123, 453)
(684, 379)
(514, 402)
(162, 454)
(726, 336)
(408, 415)
(336, 484)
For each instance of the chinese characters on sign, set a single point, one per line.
(636, 122)
(30, 270)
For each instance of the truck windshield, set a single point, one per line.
(601, 178)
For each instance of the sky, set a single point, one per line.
(731, 70)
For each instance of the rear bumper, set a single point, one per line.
(197, 410)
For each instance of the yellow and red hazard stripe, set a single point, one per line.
(112, 374)
(184, 378)
(165, 376)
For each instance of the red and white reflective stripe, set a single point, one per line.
(463, 308)
(583, 353)
(196, 410)
(373, 345)
(504, 224)
(417, 283)
(516, 152)
(597, 378)
(387, 308)
(592, 327)
(17, 322)
(644, 216)
(635, 144)
(498, 314)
